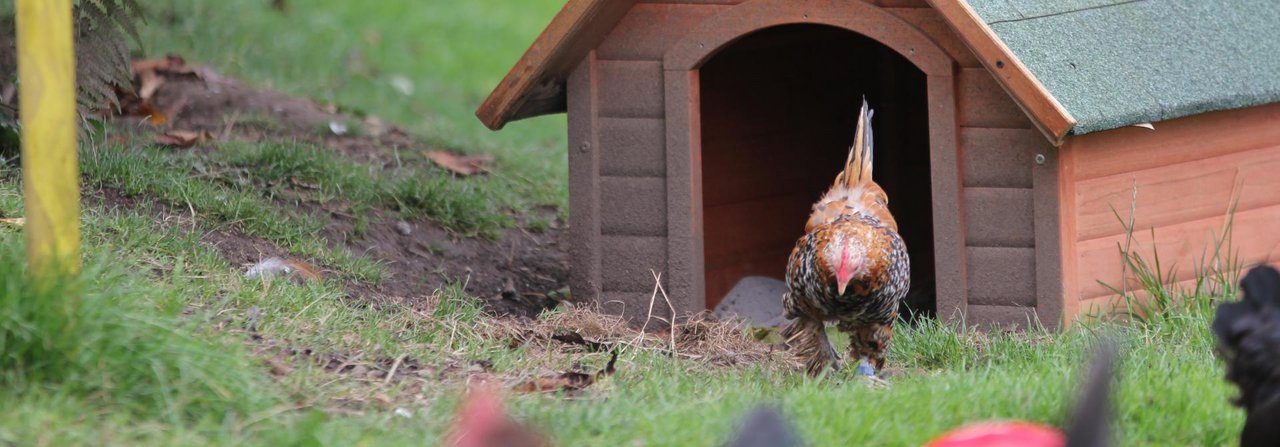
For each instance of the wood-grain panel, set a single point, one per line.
(630, 89)
(1114, 305)
(774, 225)
(1181, 140)
(721, 280)
(1179, 193)
(628, 261)
(999, 217)
(1181, 245)
(650, 29)
(633, 147)
(1002, 276)
(635, 206)
(999, 158)
(982, 103)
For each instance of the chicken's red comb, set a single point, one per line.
(1001, 434)
(479, 416)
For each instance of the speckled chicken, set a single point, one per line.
(850, 267)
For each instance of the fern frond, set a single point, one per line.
(102, 31)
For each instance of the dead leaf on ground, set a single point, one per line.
(568, 380)
(149, 83)
(460, 164)
(150, 75)
(171, 64)
(15, 221)
(183, 138)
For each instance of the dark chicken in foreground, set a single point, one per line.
(850, 267)
(1248, 333)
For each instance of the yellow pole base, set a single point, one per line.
(47, 108)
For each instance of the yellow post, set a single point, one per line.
(47, 97)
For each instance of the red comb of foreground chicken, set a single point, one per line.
(1248, 334)
(850, 267)
(482, 422)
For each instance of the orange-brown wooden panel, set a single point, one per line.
(999, 158)
(1181, 246)
(745, 228)
(635, 206)
(628, 260)
(633, 147)
(982, 103)
(630, 89)
(1179, 193)
(649, 29)
(932, 24)
(739, 170)
(721, 280)
(999, 217)
(1115, 305)
(1002, 276)
(1175, 141)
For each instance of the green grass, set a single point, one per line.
(215, 201)
(150, 346)
(454, 203)
(354, 53)
(162, 282)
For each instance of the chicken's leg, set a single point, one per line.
(869, 343)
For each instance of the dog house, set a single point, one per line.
(701, 131)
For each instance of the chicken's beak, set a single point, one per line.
(842, 279)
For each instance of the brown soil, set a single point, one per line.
(513, 274)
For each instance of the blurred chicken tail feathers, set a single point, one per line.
(854, 192)
(1091, 420)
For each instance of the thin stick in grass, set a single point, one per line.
(657, 288)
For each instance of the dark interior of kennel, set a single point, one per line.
(778, 109)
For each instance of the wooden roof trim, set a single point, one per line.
(1045, 111)
(549, 50)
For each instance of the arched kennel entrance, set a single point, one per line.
(778, 113)
(763, 100)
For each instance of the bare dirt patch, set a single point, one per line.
(520, 273)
